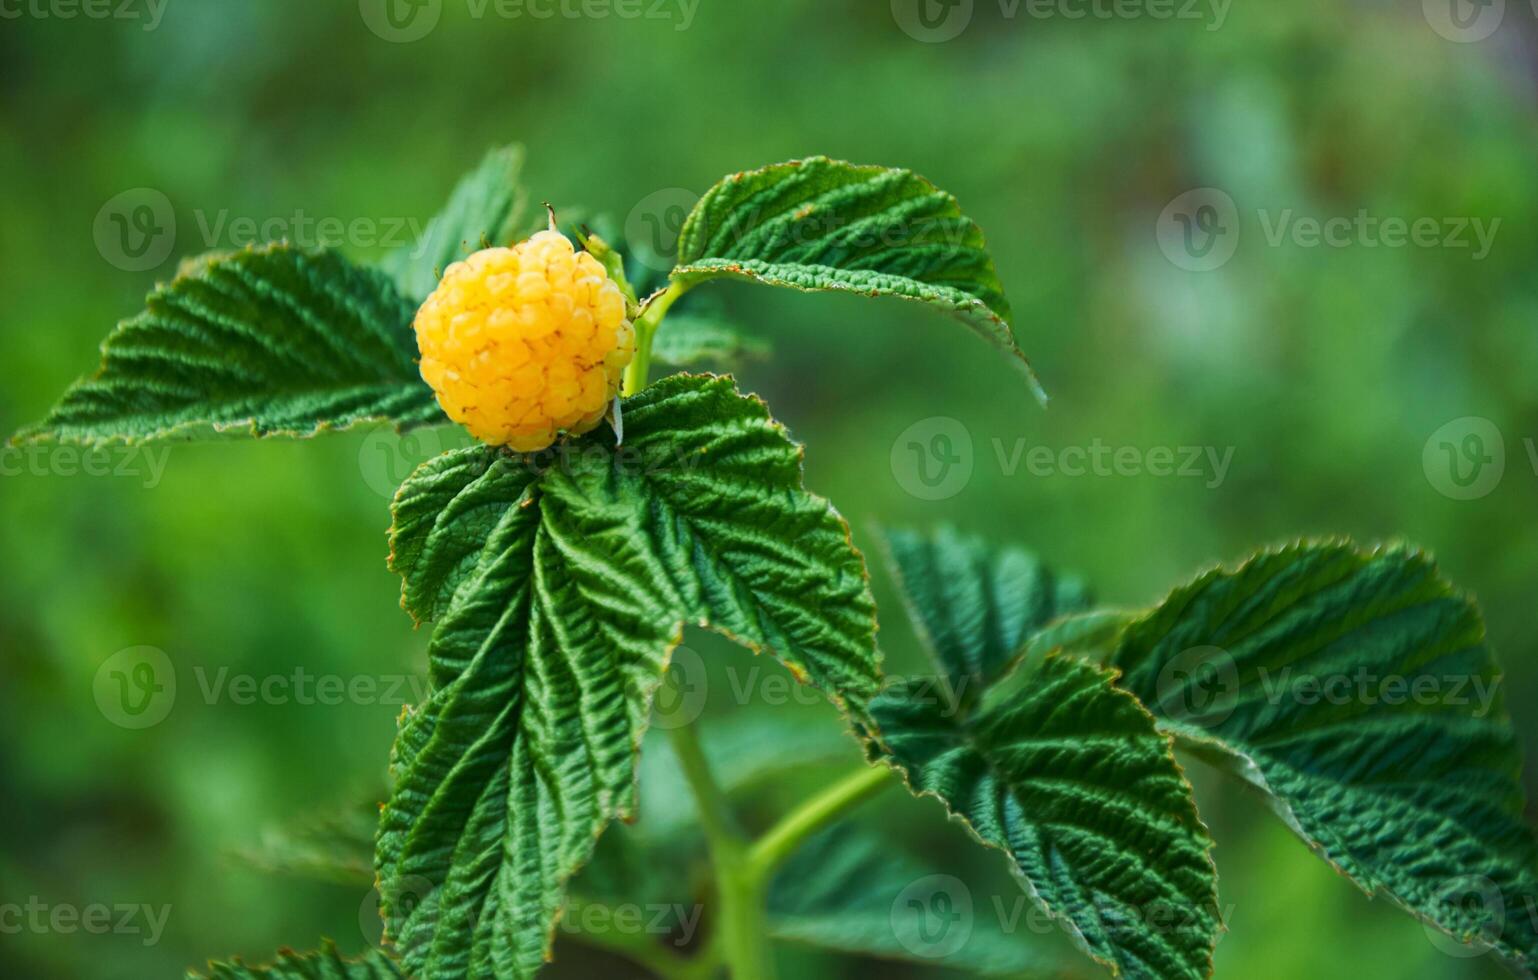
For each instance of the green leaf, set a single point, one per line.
(849, 890)
(488, 207)
(690, 339)
(561, 584)
(1073, 781)
(976, 607)
(820, 224)
(336, 845)
(266, 341)
(326, 964)
(1298, 670)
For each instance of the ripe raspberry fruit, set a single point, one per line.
(526, 342)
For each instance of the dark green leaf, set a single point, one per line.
(266, 341)
(326, 964)
(976, 607)
(1073, 781)
(561, 584)
(1355, 690)
(488, 207)
(820, 224)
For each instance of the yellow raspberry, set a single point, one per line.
(523, 343)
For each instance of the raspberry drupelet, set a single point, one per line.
(524, 343)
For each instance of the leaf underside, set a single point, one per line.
(820, 224)
(1417, 798)
(560, 589)
(276, 340)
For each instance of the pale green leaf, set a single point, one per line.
(335, 844)
(560, 584)
(976, 607)
(1072, 780)
(1354, 688)
(690, 339)
(851, 891)
(325, 964)
(275, 340)
(488, 207)
(820, 224)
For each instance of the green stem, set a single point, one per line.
(715, 813)
(781, 840)
(639, 370)
(743, 932)
(640, 948)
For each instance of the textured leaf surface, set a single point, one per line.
(849, 890)
(560, 585)
(325, 964)
(820, 224)
(976, 607)
(488, 207)
(1074, 782)
(1298, 671)
(266, 341)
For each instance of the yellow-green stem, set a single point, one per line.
(639, 370)
(781, 840)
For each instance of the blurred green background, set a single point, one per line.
(1326, 369)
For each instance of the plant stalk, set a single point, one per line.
(781, 840)
(742, 921)
(639, 369)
